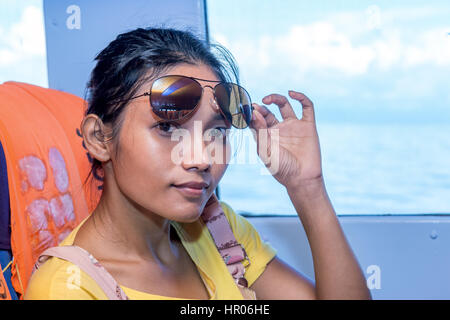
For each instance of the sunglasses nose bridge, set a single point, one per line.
(213, 99)
(214, 102)
(212, 89)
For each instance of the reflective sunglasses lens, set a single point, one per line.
(174, 97)
(235, 103)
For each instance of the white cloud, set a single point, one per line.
(7, 57)
(349, 43)
(432, 46)
(24, 39)
(321, 45)
(408, 14)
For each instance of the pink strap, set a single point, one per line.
(232, 252)
(86, 262)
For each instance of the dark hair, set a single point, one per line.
(134, 58)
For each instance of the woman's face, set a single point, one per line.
(151, 164)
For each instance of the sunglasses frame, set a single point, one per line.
(149, 93)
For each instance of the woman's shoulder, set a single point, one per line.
(231, 215)
(227, 209)
(58, 279)
(259, 251)
(239, 224)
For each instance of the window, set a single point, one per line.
(22, 42)
(379, 76)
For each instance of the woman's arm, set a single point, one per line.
(295, 148)
(337, 272)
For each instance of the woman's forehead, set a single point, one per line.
(200, 71)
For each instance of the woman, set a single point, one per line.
(146, 230)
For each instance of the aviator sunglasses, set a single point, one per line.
(176, 97)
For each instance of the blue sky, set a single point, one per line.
(22, 42)
(359, 61)
(374, 62)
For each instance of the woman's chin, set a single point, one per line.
(186, 218)
(186, 213)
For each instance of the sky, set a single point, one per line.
(360, 61)
(22, 42)
(369, 61)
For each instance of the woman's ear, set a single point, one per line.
(95, 136)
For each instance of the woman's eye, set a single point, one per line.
(218, 132)
(166, 127)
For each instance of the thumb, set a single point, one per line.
(259, 129)
(258, 121)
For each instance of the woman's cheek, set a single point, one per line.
(219, 150)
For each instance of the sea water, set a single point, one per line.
(368, 169)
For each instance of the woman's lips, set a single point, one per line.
(193, 184)
(192, 188)
(191, 191)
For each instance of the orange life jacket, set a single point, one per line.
(4, 291)
(46, 165)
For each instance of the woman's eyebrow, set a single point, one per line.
(217, 117)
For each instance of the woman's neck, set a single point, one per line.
(122, 230)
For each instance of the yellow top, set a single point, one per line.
(59, 279)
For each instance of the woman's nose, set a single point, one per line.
(197, 159)
(197, 154)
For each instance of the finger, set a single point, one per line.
(271, 120)
(258, 121)
(283, 103)
(259, 125)
(307, 105)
